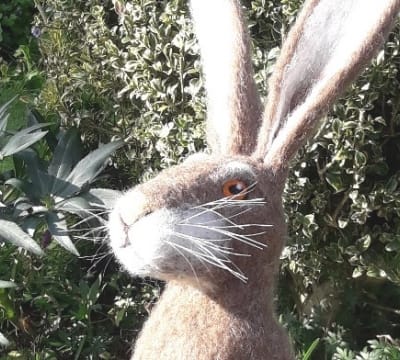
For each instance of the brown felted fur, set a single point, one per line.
(203, 328)
(220, 253)
(229, 319)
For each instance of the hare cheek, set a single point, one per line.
(165, 242)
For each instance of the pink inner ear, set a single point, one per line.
(233, 108)
(318, 59)
(325, 50)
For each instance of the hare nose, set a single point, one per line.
(128, 221)
(125, 226)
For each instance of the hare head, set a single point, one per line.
(210, 220)
(217, 217)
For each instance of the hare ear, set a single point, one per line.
(326, 49)
(234, 111)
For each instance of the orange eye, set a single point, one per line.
(235, 188)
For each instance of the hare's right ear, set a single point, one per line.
(234, 110)
(328, 46)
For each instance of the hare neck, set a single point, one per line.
(234, 323)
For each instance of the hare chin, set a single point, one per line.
(168, 243)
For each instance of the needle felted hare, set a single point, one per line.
(213, 227)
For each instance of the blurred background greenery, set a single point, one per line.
(131, 70)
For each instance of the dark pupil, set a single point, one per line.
(236, 189)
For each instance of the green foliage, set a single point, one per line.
(9, 230)
(38, 201)
(19, 141)
(20, 78)
(383, 348)
(48, 193)
(64, 308)
(310, 350)
(342, 201)
(15, 23)
(135, 75)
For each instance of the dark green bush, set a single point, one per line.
(15, 25)
(136, 75)
(47, 197)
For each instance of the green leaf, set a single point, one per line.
(357, 272)
(392, 185)
(66, 154)
(7, 284)
(41, 181)
(20, 185)
(360, 159)
(34, 118)
(59, 230)
(3, 124)
(311, 349)
(90, 203)
(11, 232)
(4, 116)
(8, 307)
(3, 341)
(4, 107)
(102, 198)
(76, 205)
(30, 224)
(23, 139)
(88, 168)
(335, 180)
(394, 245)
(364, 242)
(95, 291)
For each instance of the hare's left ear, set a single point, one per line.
(234, 110)
(328, 46)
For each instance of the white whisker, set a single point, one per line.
(212, 260)
(245, 238)
(204, 246)
(87, 229)
(210, 244)
(186, 259)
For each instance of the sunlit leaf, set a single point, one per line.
(311, 349)
(102, 198)
(3, 341)
(88, 168)
(10, 231)
(59, 230)
(66, 154)
(41, 181)
(3, 124)
(4, 116)
(4, 107)
(23, 139)
(7, 284)
(335, 180)
(75, 205)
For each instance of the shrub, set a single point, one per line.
(136, 75)
(342, 203)
(39, 204)
(15, 25)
